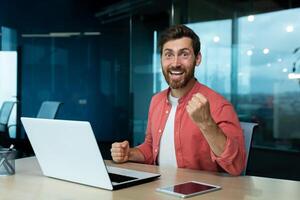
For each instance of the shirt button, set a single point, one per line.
(155, 150)
(159, 130)
(167, 111)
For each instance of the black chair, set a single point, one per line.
(48, 109)
(5, 112)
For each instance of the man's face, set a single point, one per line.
(178, 62)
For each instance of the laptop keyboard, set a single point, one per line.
(120, 178)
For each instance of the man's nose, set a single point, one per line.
(176, 61)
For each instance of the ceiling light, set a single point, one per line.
(250, 18)
(64, 34)
(284, 70)
(216, 39)
(266, 51)
(91, 33)
(34, 35)
(249, 52)
(294, 76)
(289, 28)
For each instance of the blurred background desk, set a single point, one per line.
(29, 183)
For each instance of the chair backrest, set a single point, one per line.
(248, 132)
(5, 112)
(48, 109)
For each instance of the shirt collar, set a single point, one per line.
(187, 96)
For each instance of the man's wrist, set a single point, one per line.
(130, 154)
(207, 126)
(135, 155)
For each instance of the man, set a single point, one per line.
(189, 125)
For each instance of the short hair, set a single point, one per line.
(177, 32)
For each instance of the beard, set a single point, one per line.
(178, 82)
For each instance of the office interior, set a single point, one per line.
(99, 58)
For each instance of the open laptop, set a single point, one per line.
(68, 150)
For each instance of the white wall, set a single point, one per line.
(8, 82)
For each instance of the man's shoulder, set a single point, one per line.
(158, 97)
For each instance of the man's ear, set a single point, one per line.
(198, 59)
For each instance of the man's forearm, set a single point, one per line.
(214, 136)
(136, 155)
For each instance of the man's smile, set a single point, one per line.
(176, 72)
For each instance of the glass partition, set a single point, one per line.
(268, 57)
(8, 75)
(268, 66)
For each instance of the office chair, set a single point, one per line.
(48, 109)
(5, 112)
(248, 132)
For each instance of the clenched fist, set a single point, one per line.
(198, 109)
(120, 151)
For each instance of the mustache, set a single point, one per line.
(176, 68)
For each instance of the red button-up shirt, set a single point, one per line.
(191, 148)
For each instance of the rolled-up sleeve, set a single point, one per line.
(233, 158)
(147, 146)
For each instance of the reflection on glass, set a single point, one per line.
(268, 63)
(215, 69)
(8, 85)
(266, 94)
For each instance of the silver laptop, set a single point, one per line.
(68, 150)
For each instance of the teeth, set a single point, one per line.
(176, 72)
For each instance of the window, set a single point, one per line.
(268, 63)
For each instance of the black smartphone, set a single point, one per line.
(189, 189)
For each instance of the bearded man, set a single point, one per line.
(189, 125)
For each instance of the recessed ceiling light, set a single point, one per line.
(249, 52)
(289, 28)
(284, 70)
(216, 39)
(250, 18)
(266, 50)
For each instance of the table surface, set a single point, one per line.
(29, 183)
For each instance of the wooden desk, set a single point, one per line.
(29, 184)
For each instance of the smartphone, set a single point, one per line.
(189, 189)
